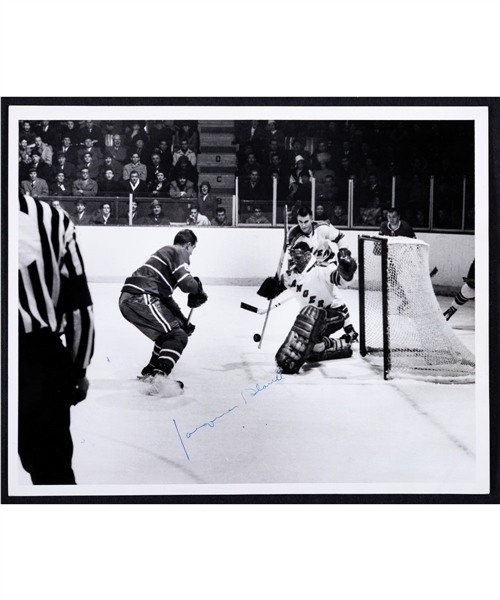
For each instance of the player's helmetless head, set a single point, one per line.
(304, 220)
(393, 217)
(187, 239)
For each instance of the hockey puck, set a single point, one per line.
(256, 337)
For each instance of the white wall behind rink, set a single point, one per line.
(240, 256)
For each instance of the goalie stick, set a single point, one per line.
(278, 271)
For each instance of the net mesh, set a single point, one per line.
(421, 343)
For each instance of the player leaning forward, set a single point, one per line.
(323, 311)
(146, 302)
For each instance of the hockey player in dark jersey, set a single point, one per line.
(146, 302)
(394, 226)
(467, 292)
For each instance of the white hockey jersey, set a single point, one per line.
(315, 285)
(320, 240)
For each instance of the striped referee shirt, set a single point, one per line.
(53, 290)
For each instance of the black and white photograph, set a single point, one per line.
(248, 300)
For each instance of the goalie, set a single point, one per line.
(323, 312)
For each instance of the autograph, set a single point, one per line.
(258, 388)
(210, 423)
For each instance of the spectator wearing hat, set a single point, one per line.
(63, 166)
(42, 169)
(155, 217)
(118, 149)
(113, 164)
(160, 187)
(104, 215)
(135, 165)
(107, 184)
(80, 215)
(89, 147)
(93, 166)
(134, 185)
(184, 150)
(298, 150)
(206, 201)
(60, 187)
(296, 173)
(84, 186)
(34, 186)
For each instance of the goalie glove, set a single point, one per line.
(347, 264)
(270, 288)
(199, 298)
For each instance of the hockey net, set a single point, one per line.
(402, 328)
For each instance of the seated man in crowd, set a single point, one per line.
(131, 211)
(63, 166)
(134, 185)
(155, 217)
(160, 187)
(250, 165)
(155, 167)
(182, 190)
(93, 166)
(42, 169)
(257, 218)
(60, 187)
(135, 165)
(80, 216)
(84, 186)
(34, 187)
(183, 168)
(338, 217)
(184, 150)
(328, 191)
(113, 164)
(107, 184)
(253, 188)
(165, 155)
(90, 131)
(95, 152)
(118, 150)
(69, 151)
(221, 218)
(44, 150)
(104, 216)
(50, 133)
(321, 155)
(196, 219)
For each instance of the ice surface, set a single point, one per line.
(335, 422)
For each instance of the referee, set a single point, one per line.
(54, 301)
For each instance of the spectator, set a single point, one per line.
(60, 187)
(107, 183)
(221, 218)
(85, 186)
(126, 220)
(322, 172)
(421, 219)
(160, 132)
(134, 185)
(257, 218)
(113, 164)
(243, 152)
(25, 165)
(321, 156)
(42, 169)
(249, 166)
(69, 130)
(135, 165)
(68, 150)
(141, 150)
(338, 217)
(273, 133)
(80, 216)
(92, 132)
(104, 216)
(253, 188)
(253, 134)
(109, 130)
(303, 192)
(376, 190)
(298, 150)
(329, 191)
(63, 166)
(44, 150)
(24, 150)
(189, 135)
(155, 217)
(195, 218)
(27, 132)
(274, 150)
(184, 150)
(372, 215)
(118, 150)
(207, 202)
(136, 132)
(165, 156)
(182, 190)
(321, 213)
(95, 152)
(88, 162)
(50, 132)
(55, 203)
(35, 187)
(441, 219)
(155, 167)
(185, 169)
(296, 175)
(160, 187)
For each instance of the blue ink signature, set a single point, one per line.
(258, 388)
(210, 423)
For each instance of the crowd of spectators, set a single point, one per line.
(159, 160)
(372, 154)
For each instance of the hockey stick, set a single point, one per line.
(433, 272)
(278, 270)
(261, 311)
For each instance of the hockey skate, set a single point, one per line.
(162, 385)
(350, 337)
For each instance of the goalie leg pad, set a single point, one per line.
(335, 349)
(335, 319)
(305, 333)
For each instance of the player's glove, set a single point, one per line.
(81, 389)
(199, 298)
(347, 264)
(270, 288)
(189, 328)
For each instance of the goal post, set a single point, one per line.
(402, 329)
